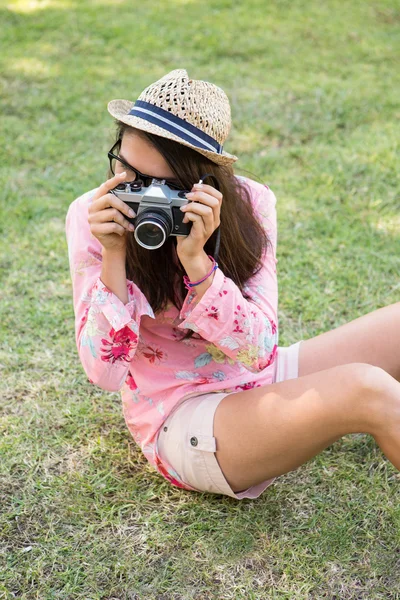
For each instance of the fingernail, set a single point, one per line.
(123, 174)
(190, 195)
(198, 186)
(131, 213)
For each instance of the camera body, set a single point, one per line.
(157, 211)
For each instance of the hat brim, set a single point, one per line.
(120, 109)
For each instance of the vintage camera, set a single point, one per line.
(157, 211)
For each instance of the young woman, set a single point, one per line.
(189, 331)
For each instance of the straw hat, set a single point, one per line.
(191, 112)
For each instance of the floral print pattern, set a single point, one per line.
(154, 354)
(127, 348)
(119, 345)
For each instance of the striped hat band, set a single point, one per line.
(179, 127)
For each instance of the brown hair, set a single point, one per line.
(158, 273)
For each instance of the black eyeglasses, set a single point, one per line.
(132, 173)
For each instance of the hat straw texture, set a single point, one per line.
(191, 112)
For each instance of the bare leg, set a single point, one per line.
(271, 430)
(373, 338)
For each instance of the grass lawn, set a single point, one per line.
(314, 89)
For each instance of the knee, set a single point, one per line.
(367, 387)
(367, 377)
(379, 399)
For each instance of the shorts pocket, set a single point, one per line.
(201, 464)
(199, 441)
(167, 463)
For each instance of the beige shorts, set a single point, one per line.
(187, 444)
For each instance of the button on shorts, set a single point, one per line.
(186, 442)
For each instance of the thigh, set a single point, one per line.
(267, 431)
(373, 338)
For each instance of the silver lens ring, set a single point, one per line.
(137, 228)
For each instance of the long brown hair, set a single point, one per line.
(158, 273)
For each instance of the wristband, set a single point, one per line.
(190, 284)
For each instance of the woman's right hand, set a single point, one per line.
(106, 216)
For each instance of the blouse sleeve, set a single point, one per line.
(245, 330)
(106, 329)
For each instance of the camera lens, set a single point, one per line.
(152, 228)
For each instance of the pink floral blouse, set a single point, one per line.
(128, 348)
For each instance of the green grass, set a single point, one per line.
(314, 89)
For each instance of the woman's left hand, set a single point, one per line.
(203, 209)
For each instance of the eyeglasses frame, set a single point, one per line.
(139, 175)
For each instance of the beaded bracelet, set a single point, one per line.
(190, 284)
